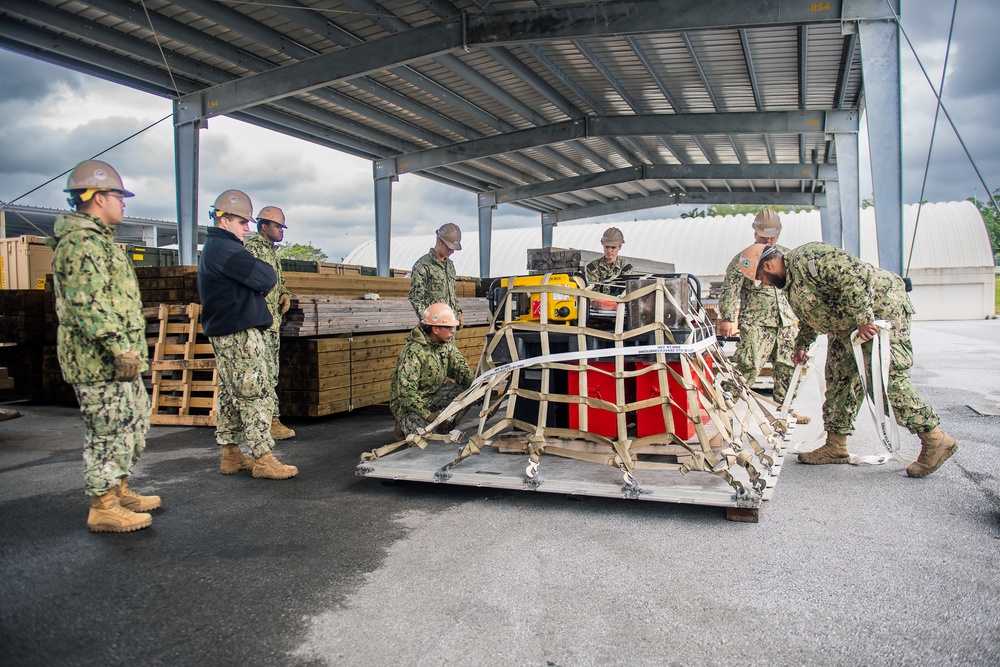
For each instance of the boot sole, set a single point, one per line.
(282, 437)
(256, 476)
(120, 529)
(846, 459)
(940, 463)
(224, 471)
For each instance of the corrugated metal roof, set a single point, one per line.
(950, 235)
(494, 68)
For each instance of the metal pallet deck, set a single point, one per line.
(492, 469)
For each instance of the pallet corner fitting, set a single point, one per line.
(625, 393)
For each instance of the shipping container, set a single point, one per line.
(24, 262)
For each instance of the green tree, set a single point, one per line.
(744, 209)
(992, 220)
(694, 213)
(867, 202)
(304, 253)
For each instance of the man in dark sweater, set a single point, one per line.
(233, 284)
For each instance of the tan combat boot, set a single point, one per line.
(131, 500)
(108, 516)
(834, 451)
(233, 460)
(801, 418)
(268, 467)
(279, 431)
(937, 447)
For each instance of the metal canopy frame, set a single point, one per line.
(567, 108)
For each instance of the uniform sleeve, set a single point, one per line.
(729, 299)
(408, 378)
(247, 270)
(458, 368)
(591, 272)
(805, 337)
(88, 295)
(418, 289)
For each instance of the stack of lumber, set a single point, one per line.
(168, 284)
(321, 376)
(6, 381)
(355, 285)
(28, 322)
(184, 379)
(326, 315)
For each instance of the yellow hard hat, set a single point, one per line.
(95, 176)
(451, 235)
(439, 315)
(272, 214)
(612, 236)
(234, 202)
(767, 224)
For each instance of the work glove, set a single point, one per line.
(461, 320)
(284, 303)
(127, 366)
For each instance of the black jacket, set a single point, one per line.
(232, 284)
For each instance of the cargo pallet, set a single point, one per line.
(643, 405)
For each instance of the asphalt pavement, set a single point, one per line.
(849, 565)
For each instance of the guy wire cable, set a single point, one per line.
(947, 115)
(930, 147)
(57, 176)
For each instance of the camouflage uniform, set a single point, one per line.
(264, 250)
(834, 292)
(767, 327)
(246, 394)
(433, 281)
(599, 271)
(100, 317)
(418, 383)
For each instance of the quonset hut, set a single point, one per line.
(951, 264)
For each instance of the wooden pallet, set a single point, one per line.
(184, 376)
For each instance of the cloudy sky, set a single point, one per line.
(51, 118)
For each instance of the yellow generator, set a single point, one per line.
(527, 307)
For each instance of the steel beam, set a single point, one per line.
(693, 197)
(564, 22)
(831, 218)
(646, 125)
(850, 194)
(485, 238)
(186, 161)
(383, 222)
(787, 172)
(880, 63)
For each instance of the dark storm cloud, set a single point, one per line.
(971, 96)
(26, 80)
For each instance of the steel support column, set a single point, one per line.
(881, 70)
(186, 158)
(383, 221)
(485, 234)
(850, 194)
(549, 221)
(831, 219)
